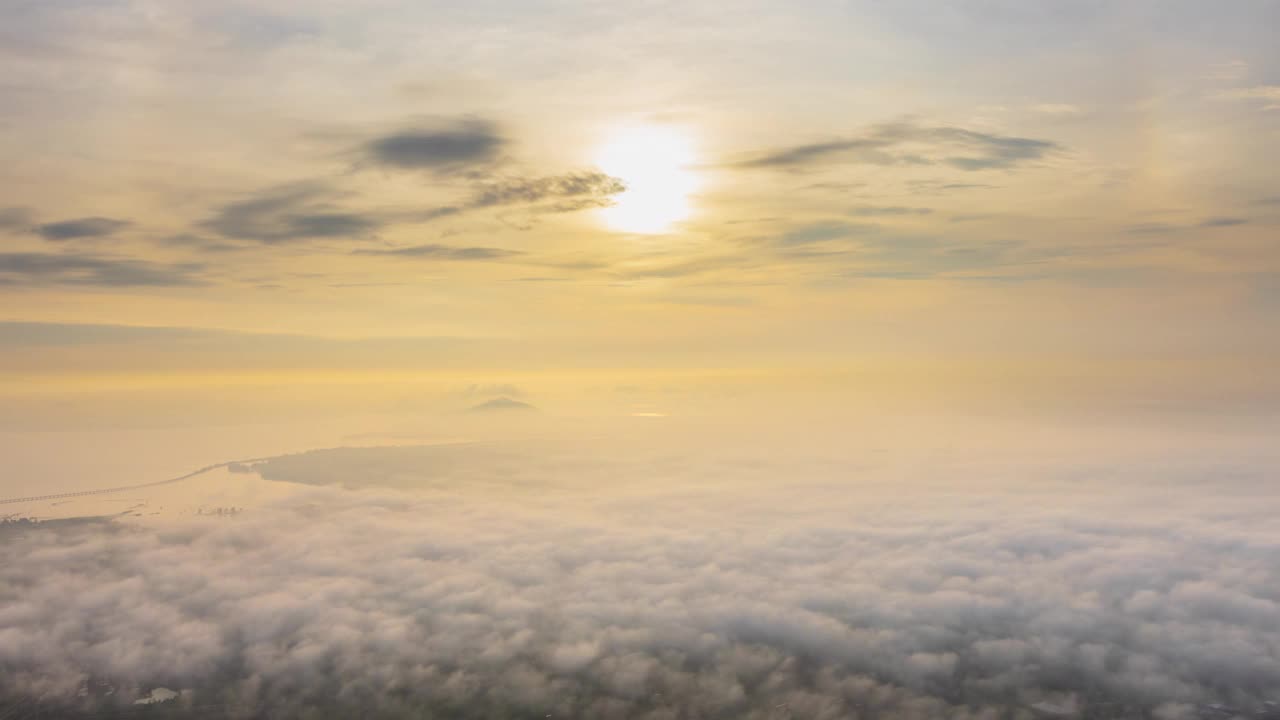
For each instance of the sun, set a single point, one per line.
(655, 163)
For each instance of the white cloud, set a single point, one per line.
(606, 584)
(1268, 94)
(1228, 71)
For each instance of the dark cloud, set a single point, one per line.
(306, 211)
(435, 213)
(441, 252)
(88, 227)
(1223, 222)
(910, 144)
(466, 145)
(573, 191)
(993, 151)
(288, 214)
(805, 154)
(889, 211)
(330, 224)
(48, 269)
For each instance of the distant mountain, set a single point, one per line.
(502, 403)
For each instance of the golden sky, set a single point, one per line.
(511, 187)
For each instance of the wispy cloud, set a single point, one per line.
(905, 143)
(441, 252)
(889, 211)
(1268, 95)
(573, 191)
(310, 211)
(25, 268)
(678, 267)
(1223, 222)
(286, 214)
(88, 227)
(1229, 71)
(823, 232)
(1153, 228)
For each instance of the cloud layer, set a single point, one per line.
(585, 585)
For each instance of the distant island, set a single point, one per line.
(501, 404)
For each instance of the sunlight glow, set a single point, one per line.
(655, 164)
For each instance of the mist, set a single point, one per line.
(647, 570)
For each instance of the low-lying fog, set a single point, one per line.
(659, 568)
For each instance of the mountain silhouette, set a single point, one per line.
(502, 403)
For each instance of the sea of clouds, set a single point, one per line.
(610, 581)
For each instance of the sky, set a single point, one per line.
(774, 360)
(250, 193)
